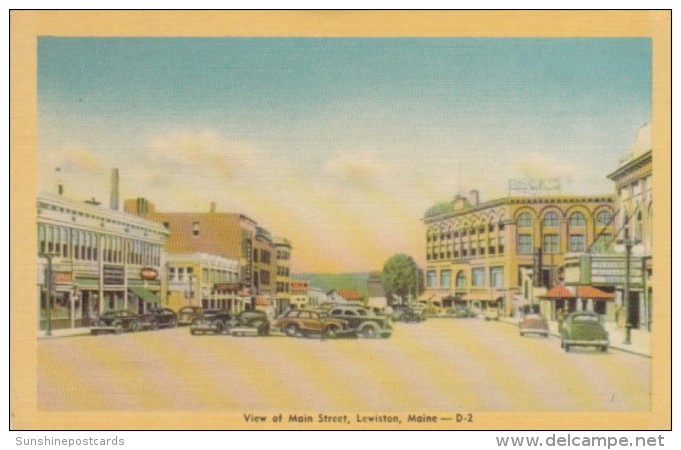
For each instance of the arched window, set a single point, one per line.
(603, 218)
(577, 220)
(551, 219)
(525, 220)
(461, 279)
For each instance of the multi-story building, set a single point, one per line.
(232, 236)
(605, 268)
(476, 251)
(201, 279)
(101, 259)
(300, 297)
(284, 293)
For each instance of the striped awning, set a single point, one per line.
(145, 294)
(584, 292)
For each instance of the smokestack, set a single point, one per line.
(212, 207)
(475, 197)
(113, 204)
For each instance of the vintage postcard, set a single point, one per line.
(340, 220)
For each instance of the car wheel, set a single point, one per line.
(135, 326)
(173, 323)
(567, 347)
(193, 332)
(604, 348)
(219, 328)
(546, 335)
(331, 332)
(118, 327)
(154, 325)
(263, 330)
(369, 332)
(291, 330)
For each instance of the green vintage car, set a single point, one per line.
(583, 328)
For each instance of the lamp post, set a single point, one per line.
(49, 288)
(628, 244)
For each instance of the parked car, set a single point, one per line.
(252, 319)
(117, 321)
(463, 312)
(187, 314)
(583, 328)
(534, 324)
(211, 321)
(404, 313)
(363, 321)
(159, 318)
(306, 322)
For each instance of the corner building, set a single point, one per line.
(478, 252)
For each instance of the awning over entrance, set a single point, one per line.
(478, 297)
(426, 296)
(584, 292)
(145, 294)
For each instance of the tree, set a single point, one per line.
(400, 276)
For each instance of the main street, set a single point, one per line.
(438, 365)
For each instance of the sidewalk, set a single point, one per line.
(67, 332)
(640, 340)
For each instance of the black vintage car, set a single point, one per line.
(252, 319)
(404, 313)
(117, 321)
(214, 321)
(159, 318)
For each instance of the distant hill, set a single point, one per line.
(327, 281)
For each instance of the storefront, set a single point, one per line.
(94, 258)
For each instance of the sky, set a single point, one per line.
(338, 144)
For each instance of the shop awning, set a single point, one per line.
(426, 296)
(478, 297)
(584, 292)
(558, 292)
(145, 294)
(262, 301)
(593, 293)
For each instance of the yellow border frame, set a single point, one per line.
(25, 26)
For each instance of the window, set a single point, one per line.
(501, 245)
(576, 242)
(195, 229)
(525, 220)
(445, 278)
(525, 244)
(577, 220)
(551, 219)
(255, 255)
(603, 243)
(603, 218)
(550, 243)
(479, 276)
(41, 238)
(492, 246)
(431, 278)
(461, 279)
(496, 276)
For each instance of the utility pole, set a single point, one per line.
(49, 288)
(628, 244)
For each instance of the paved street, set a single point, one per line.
(439, 365)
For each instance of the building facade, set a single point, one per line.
(300, 297)
(283, 254)
(233, 236)
(101, 259)
(606, 268)
(478, 252)
(201, 279)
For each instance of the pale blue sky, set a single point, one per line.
(376, 128)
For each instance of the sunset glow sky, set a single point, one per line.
(340, 145)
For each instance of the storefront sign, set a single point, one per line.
(613, 271)
(231, 287)
(63, 278)
(114, 275)
(148, 273)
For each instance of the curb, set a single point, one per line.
(612, 347)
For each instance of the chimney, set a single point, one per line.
(475, 197)
(113, 203)
(212, 207)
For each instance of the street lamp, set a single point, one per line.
(49, 288)
(628, 245)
